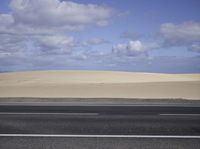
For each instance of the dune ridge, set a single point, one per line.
(109, 84)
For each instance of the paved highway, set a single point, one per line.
(60, 125)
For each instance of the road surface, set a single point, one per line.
(109, 126)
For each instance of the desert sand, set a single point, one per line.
(95, 84)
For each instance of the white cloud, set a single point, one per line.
(11, 43)
(56, 44)
(6, 20)
(47, 22)
(185, 34)
(65, 15)
(119, 48)
(134, 48)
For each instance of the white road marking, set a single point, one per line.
(21, 113)
(35, 113)
(179, 114)
(99, 136)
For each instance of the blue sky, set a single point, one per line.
(122, 35)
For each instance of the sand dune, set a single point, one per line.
(99, 84)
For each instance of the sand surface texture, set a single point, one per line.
(99, 84)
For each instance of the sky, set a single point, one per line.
(118, 35)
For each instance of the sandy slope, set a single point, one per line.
(99, 84)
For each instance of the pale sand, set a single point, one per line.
(99, 84)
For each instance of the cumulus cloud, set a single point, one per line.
(47, 24)
(134, 48)
(63, 14)
(185, 34)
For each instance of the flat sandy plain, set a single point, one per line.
(99, 84)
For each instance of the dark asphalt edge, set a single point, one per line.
(99, 100)
(108, 109)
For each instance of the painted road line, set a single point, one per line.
(179, 114)
(27, 113)
(99, 136)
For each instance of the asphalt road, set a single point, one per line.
(97, 143)
(99, 126)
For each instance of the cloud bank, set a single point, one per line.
(47, 24)
(186, 34)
